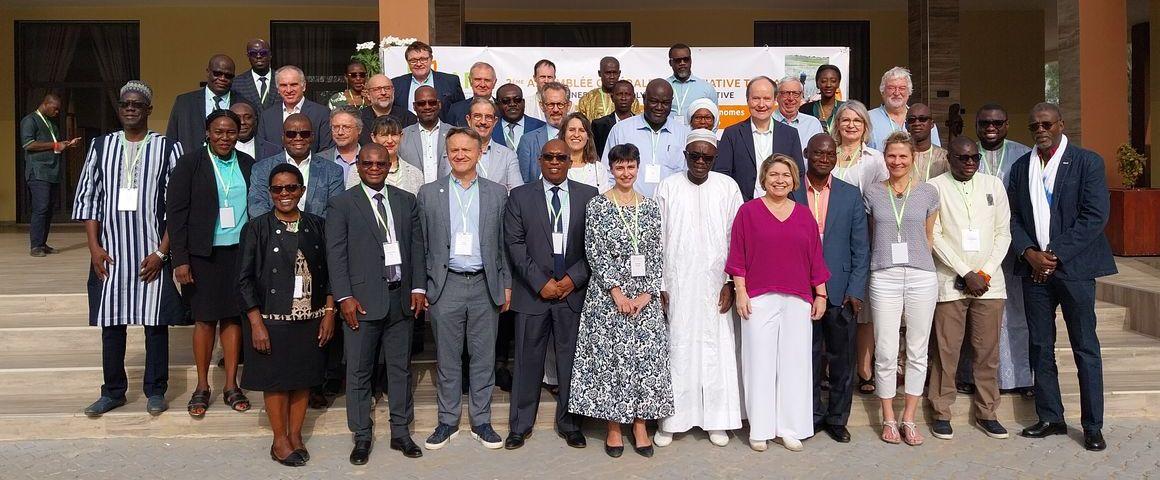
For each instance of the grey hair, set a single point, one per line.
(788, 78)
(348, 110)
(482, 65)
(290, 68)
(858, 108)
(894, 74)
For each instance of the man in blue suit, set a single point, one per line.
(745, 145)
(420, 58)
(513, 124)
(323, 178)
(555, 102)
(1059, 207)
(841, 217)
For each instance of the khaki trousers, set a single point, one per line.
(982, 318)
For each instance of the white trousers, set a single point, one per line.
(899, 294)
(776, 356)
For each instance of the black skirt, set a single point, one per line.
(213, 295)
(295, 361)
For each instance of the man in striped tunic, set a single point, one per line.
(121, 199)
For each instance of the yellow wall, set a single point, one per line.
(176, 42)
(1001, 61)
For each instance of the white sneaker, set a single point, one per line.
(662, 438)
(759, 445)
(719, 437)
(791, 444)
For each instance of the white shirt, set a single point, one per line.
(512, 136)
(806, 125)
(564, 208)
(210, 106)
(430, 139)
(247, 147)
(762, 149)
(258, 84)
(303, 167)
(297, 108)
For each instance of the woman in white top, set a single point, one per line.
(586, 168)
(388, 132)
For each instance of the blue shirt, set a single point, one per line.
(884, 126)
(415, 84)
(231, 189)
(807, 126)
(558, 225)
(685, 92)
(464, 204)
(669, 153)
(210, 106)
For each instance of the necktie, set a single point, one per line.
(262, 90)
(558, 268)
(512, 135)
(393, 273)
(217, 102)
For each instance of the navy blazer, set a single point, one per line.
(528, 235)
(247, 90)
(529, 153)
(736, 157)
(456, 114)
(326, 181)
(270, 125)
(187, 119)
(846, 244)
(446, 85)
(528, 124)
(1079, 211)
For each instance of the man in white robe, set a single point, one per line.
(697, 210)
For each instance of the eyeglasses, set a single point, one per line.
(288, 188)
(379, 89)
(341, 128)
(303, 134)
(368, 164)
(511, 100)
(700, 157)
(855, 120)
(1035, 126)
(225, 75)
(680, 60)
(555, 106)
(991, 123)
(258, 53)
(969, 158)
(790, 94)
(426, 103)
(896, 89)
(554, 157)
(133, 104)
(487, 117)
(357, 74)
(418, 60)
(918, 119)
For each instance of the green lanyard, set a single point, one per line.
(634, 229)
(51, 131)
(894, 206)
(463, 208)
(927, 154)
(966, 193)
(213, 160)
(129, 172)
(995, 170)
(843, 171)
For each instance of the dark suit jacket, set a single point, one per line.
(264, 149)
(600, 128)
(354, 250)
(456, 114)
(326, 181)
(405, 118)
(528, 234)
(736, 157)
(191, 204)
(846, 244)
(187, 119)
(246, 89)
(446, 86)
(266, 273)
(270, 126)
(528, 123)
(1079, 211)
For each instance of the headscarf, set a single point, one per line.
(701, 135)
(706, 104)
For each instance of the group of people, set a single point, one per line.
(653, 267)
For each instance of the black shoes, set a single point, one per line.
(361, 452)
(614, 452)
(407, 446)
(965, 388)
(839, 433)
(1093, 440)
(574, 439)
(941, 429)
(1043, 429)
(515, 440)
(993, 428)
(294, 459)
(103, 405)
(646, 452)
(38, 252)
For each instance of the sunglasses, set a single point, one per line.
(1035, 126)
(681, 59)
(991, 123)
(554, 157)
(969, 158)
(511, 100)
(303, 134)
(134, 104)
(367, 164)
(258, 53)
(426, 103)
(918, 119)
(699, 157)
(288, 188)
(225, 75)
(357, 74)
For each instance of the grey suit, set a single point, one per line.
(465, 305)
(355, 255)
(411, 150)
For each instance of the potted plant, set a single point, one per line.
(1133, 225)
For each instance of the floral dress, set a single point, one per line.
(621, 368)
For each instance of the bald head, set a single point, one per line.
(658, 102)
(554, 161)
(219, 74)
(258, 53)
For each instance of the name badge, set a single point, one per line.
(899, 253)
(680, 118)
(127, 200)
(652, 173)
(557, 243)
(990, 200)
(463, 243)
(226, 217)
(972, 241)
(298, 286)
(636, 265)
(391, 254)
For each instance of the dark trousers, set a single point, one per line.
(392, 337)
(504, 337)
(156, 380)
(531, 338)
(834, 348)
(41, 198)
(1078, 300)
(334, 356)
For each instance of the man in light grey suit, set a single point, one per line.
(423, 142)
(323, 177)
(468, 284)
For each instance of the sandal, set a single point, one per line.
(866, 382)
(234, 397)
(199, 403)
(910, 434)
(890, 432)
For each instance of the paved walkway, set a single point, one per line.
(1133, 453)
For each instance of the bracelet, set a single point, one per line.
(821, 295)
(328, 309)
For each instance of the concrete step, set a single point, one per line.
(36, 303)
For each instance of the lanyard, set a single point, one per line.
(481, 164)
(929, 161)
(508, 132)
(681, 104)
(463, 208)
(849, 163)
(130, 164)
(557, 219)
(213, 160)
(51, 131)
(996, 169)
(634, 229)
(656, 139)
(382, 221)
(605, 102)
(967, 198)
(816, 207)
(893, 206)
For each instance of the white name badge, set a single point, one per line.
(126, 199)
(298, 286)
(899, 254)
(652, 173)
(972, 241)
(463, 242)
(226, 217)
(636, 265)
(391, 255)
(557, 243)
(679, 118)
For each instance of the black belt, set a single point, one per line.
(467, 274)
(394, 285)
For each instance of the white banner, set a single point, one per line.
(727, 68)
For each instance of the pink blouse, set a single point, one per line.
(776, 256)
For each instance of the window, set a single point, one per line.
(321, 49)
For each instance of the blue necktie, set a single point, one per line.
(558, 268)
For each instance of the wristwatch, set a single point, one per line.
(163, 256)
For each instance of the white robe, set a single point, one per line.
(695, 222)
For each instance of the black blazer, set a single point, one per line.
(270, 125)
(187, 119)
(405, 118)
(456, 114)
(247, 90)
(736, 157)
(446, 86)
(1079, 211)
(600, 129)
(266, 273)
(354, 249)
(191, 204)
(528, 235)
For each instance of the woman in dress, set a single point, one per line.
(356, 80)
(586, 167)
(621, 369)
(206, 210)
(703, 113)
(388, 132)
(778, 292)
(903, 284)
(828, 78)
(289, 310)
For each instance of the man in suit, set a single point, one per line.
(375, 253)
(256, 85)
(187, 119)
(420, 58)
(381, 93)
(745, 145)
(292, 88)
(248, 141)
(482, 77)
(423, 143)
(513, 123)
(623, 100)
(468, 285)
(322, 176)
(1057, 229)
(544, 231)
(555, 102)
(841, 217)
